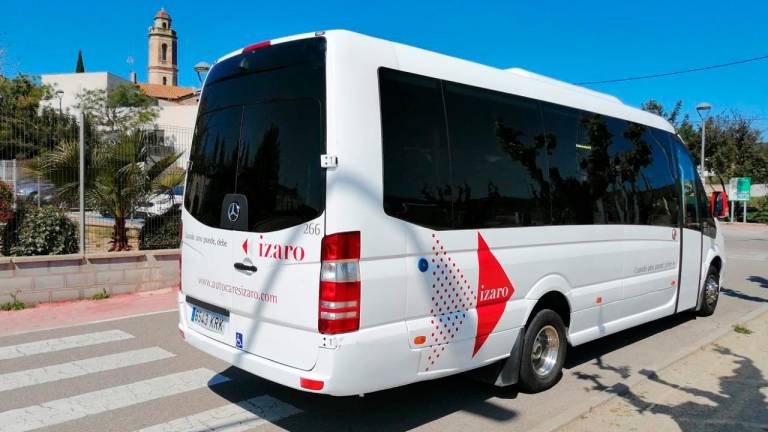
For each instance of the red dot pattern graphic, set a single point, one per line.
(452, 295)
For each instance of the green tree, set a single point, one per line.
(27, 127)
(735, 148)
(120, 176)
(653, 106)
(681, 122)
(117, 110)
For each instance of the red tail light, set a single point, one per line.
(339, 308)
(256, 46)
(311, 384)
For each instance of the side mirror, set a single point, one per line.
(718, 204)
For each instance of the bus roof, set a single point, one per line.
(515, 80)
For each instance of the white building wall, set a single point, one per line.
(73, 83)
(177, 123)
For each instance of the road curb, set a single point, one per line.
(605, 396)
(66, 326)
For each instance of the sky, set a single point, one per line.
(575, 41)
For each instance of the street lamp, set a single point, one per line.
(202, 68)
(59, 95)
(703, 110)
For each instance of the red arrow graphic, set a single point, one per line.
(493, 290)
(245, 246)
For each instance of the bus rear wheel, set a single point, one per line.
(543, 351)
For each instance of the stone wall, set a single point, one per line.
(53, 278)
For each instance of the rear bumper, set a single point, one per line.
(364, 361)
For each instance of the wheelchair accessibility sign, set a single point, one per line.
(238, 340)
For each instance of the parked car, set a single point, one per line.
(160, 203)
(35, 191)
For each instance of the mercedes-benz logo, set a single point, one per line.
(233, 212)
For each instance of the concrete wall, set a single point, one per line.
(73, 277)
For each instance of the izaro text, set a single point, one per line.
(494, 294)
(280, 252)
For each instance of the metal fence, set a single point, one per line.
(132, 182)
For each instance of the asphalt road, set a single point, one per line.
(56, 380)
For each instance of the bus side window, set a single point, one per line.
(708, 226)
(417, 186)
(689, 179)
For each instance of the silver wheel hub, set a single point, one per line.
(546, 348)
(711, 290)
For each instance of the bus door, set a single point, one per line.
(690, 257)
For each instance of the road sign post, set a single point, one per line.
(742, 191)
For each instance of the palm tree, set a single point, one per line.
(120, 173)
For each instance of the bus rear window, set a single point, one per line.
(259, 135)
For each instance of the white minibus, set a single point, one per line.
(361, 214)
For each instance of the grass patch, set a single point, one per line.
(103, 294)
(740, 329)
(14, 304)
(98, 237)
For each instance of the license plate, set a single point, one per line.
(209, 320)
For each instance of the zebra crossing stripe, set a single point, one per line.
(30, 377)
(60, 344)
(72, 408)
(238, 417)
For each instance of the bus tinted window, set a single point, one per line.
(213, 161)
(659, 203)
(626, 158)
(566, 149)
(260, 132)
(643, 170)
(457, 156)
(688, 179)
(417, 186)
(498, 159)
(278, 168)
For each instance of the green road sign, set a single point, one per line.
(743, 188)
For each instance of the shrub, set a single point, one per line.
(6, 202)
(757, 210)
(101, 295)
(43, 231)
(161, 231)
(14, 304)
(10, 232)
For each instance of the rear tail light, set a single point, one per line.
(256, 46)
(339, 307)
(311, 384)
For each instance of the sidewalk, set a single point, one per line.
(62, 314)
(721, 387)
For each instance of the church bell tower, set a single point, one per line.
(163, 68)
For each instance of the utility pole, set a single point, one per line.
(703, 109)
(82, 182)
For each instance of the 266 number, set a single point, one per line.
(312, 229)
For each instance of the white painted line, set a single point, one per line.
(60, 344)
(100, 401)
(78, 368)
(238, 417)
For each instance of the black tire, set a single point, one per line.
(709, 299)
(536, 379)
